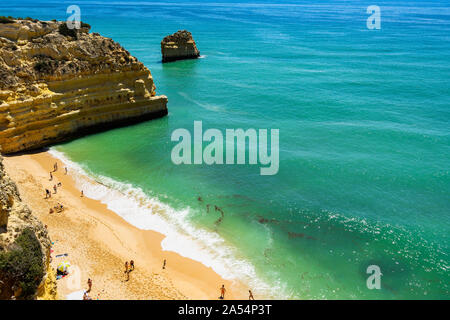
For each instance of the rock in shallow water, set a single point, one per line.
(179, 46)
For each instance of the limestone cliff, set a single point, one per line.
(178, 46)
(25, 271)
(57, 83)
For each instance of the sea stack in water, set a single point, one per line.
(57, 83)
(179, 46)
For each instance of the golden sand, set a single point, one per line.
(98, 242)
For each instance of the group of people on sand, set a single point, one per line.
(56, 186)
(223, 291)
(48, 194)
(55, 168)
(59, 207)
(128, 268)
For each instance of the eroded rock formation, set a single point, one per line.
(25, 270)
(179, 46)
(56, 83)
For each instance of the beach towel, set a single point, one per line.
(60, 276)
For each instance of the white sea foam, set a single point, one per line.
(181, 236)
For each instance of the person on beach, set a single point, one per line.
(131, 265)
(82, 194)
(250, 295)
(48, 194)
(55, 188)
(164, 264)
(59, 208)
(65, 170)
(127, 271)
(55, 167)
(222, 292)
(59, 184)
(89, 282)
(86, 296)
(51, 176)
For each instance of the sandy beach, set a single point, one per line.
(98, 242)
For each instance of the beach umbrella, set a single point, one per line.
(63, 266)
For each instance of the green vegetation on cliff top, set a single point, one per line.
(22, 266)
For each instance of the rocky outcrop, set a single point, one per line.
(24, 247)
(57, 83)
(179, 46)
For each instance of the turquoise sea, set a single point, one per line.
(364, 120)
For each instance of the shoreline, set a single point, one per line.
(98, 242)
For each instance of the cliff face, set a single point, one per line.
(57, 83)
(178, 46)
(24, 248)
